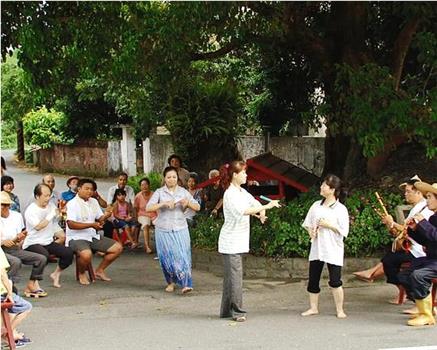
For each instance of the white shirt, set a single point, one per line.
(235, 232)
(421, 207)
(11, 226)
(328, 245)
(85, 212)
(130, 194)
(33, 216)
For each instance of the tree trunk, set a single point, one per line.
(20, 140)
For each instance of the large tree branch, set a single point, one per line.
(401, 46)
(198, 56)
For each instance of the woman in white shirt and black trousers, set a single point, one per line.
(327, 223)
(238, 205)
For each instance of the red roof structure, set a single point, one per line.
(274, 178)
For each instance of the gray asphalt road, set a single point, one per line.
(134, 312)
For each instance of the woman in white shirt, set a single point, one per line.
(238, 205)
(41, 227)
(327, 223)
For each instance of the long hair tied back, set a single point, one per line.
(335, 183)
(227, 171)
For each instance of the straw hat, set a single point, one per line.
(413, 179)
(71, 178)
(425, 188)
(5, 198)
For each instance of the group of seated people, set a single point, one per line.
(411, 265)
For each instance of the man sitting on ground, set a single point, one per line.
(84, 217)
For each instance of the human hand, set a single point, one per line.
(418, 217)
(169, 204)
(8, 243)
(411, 223)
(22, 235)
(52, 214)
(97, 225)
(387, 220)
(313, 232)
(273, 204)
(10, 298)
(214, 212)
(263, 218)
(325, 223)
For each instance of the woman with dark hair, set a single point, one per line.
(171, 230)
(238, 204)
(183, 174)
(8, 186)
(327, 223)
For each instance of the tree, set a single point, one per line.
(18, 98)
(141, 55)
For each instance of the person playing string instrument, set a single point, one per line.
(417, 279)
(390, 264)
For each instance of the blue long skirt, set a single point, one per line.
(174, 253)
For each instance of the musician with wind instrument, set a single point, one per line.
(417, 279)
(390, 264)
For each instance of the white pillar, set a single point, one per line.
(128, 151)
(147, 157)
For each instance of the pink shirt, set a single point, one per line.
(123, 210)
(140, 204)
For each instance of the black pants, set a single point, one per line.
(392, 264)
(65, 254)
(417, 282)
(316, 267)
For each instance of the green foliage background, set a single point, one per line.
(283, 235)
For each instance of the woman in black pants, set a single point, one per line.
(327, 223)
(41, 227)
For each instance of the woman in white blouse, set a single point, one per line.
(238, 204)
(327, 223)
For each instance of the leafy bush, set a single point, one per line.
(44, 128)
(154, 177)
(283, 235)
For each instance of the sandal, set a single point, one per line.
(186, 290)
(239, 319)
(39, 293)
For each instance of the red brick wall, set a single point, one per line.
(79, 160)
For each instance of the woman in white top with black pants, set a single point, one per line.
(327, 223)
(238, 205)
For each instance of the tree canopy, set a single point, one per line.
(367, 68)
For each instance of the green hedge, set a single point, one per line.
(154, 177)
(283, 236)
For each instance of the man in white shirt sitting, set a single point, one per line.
(84, 218)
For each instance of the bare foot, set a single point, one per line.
(148, 250)
(55, 277)
(102, 276)
(134, 245)
(341, 314)
(186, 290)
(310, 312)
(170, 288)
(363, 277)
(83, 279)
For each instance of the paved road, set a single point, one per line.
(133, 312)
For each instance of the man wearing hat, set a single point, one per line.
(72, 188)
(12, 234)
(391, 262)
(418, 279)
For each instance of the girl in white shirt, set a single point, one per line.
(327, 223)
(238, 204)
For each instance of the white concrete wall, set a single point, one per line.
(128, 152)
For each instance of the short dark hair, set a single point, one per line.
(6, 179)
(171, 168)
(144, 179)
(3, 163)
(174, 156)
(37, 191)
(123, 174)
(82, 182)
